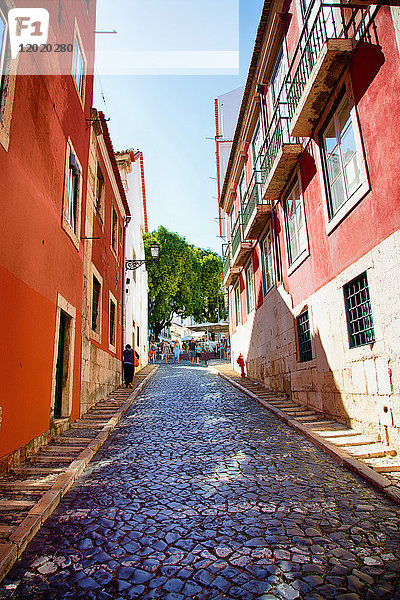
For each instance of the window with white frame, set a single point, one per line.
(114, 230)
(100, 192)
(242, 187)
(96, 304)
(237, 305)
(250, 288)
(3, 40)
(72, 206)
(79, 65)
(342, 157)
(296, 233)
(256, 144)
(267, 249)
(277, 80)
(112, 320)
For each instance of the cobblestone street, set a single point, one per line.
(201, 493)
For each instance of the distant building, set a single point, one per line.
(131, 168)
(311, 196)
(44, 151)
(106, 216)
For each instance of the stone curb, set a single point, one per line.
(340, 455)
(11, 551)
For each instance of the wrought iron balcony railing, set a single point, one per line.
(226, 259)
(324, 22)
(277, 135)
(251, 199)
(236, 235)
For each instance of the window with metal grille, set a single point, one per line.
(304, 334)
(360, 324)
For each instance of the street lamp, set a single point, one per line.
(136, 263)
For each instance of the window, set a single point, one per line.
(268, 262)
(296, 233)
(72, 196)
(341, 158)
(112, 323)
(237, 305)
(100, 189)
(3, 39)
(277, 84)
(96, 296)
(79, 66)
(304, 336)
(256, 144)
(114, 230)
(242, 188)
(232, 219)
(71, 213)
(250, 288)
(358, 312)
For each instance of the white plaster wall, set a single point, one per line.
(136, 308)
(359, 385)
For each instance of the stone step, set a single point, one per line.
(313, 418)
(36, 470)
(5, 531)
(386, 468)
(338, 433)
(51, 458)
(13, 505)
(98, 416)
(372, 453)
(356, 441)
(300, 413)
(60, 449)
(88, 424)
(25, 486)
(321, 425)
(81, 441)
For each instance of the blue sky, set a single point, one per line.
(169, 117)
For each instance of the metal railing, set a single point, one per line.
(226, 259)
(251, 199)
(277, 135)
(236, 235)
(328, 21)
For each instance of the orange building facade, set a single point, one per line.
(48, 198)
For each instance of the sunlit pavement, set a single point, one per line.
(201, 493)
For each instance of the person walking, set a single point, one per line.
(191, 351)
(198, 352)
(152, 352)
(177, 351)
(128, 363)
(165, 350)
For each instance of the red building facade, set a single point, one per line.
(311, 197)
(44, 151)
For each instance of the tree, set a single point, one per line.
(186, 280)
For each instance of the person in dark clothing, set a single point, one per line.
(128, 362)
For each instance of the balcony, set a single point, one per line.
(278, 155)
(241, 248)
(326, 43)
(229, 273)
(255, 211)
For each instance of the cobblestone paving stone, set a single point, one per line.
(202, 494)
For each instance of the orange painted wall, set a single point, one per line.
(37, 258)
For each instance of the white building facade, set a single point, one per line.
(131, 167)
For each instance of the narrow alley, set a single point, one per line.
(201, 493)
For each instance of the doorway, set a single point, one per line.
(61, 400)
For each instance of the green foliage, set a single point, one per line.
(186, 280)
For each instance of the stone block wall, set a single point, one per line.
(359, 386)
